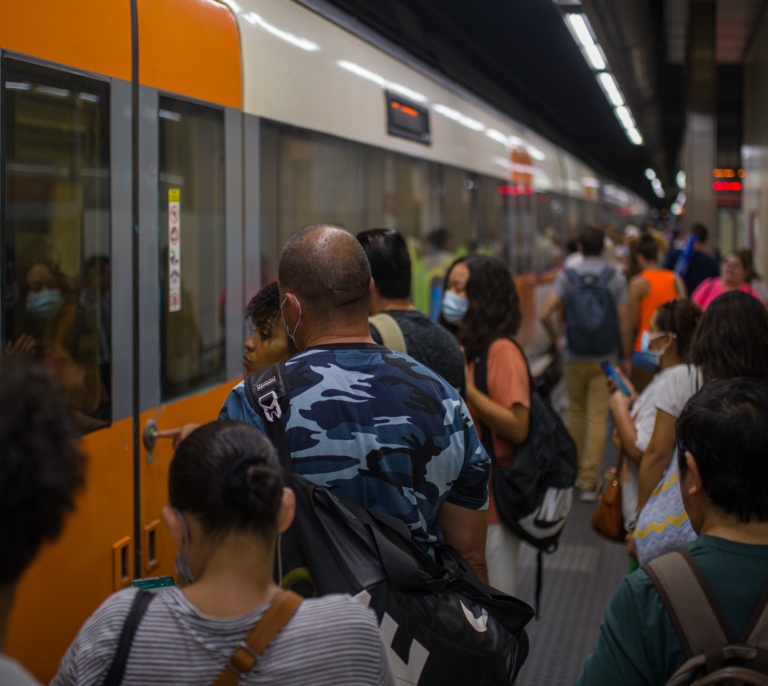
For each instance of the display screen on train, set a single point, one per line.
(406, 119)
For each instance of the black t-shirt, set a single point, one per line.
(430, 344)
(701, 267)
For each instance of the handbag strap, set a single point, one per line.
(139, 606)
(252, 647)
(390, 332)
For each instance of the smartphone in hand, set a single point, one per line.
(611, 373)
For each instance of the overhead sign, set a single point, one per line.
(407, 119)
(174, 250)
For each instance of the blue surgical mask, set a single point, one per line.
(645, 344)
(454, 307)
(287, 330)
(45, 303)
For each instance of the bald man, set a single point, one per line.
(374, 426)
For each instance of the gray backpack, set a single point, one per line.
(714, 655)
(591, 321)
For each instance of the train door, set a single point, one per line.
(66, 300)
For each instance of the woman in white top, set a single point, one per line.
(647, 422)
(227, 507)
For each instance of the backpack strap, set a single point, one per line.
(390, 332)
(139, 606)
(605, 276)
(755, 634)
(573, 277)
(698, 620)
(269, 395)
(252, 647)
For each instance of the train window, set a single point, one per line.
(457, 202)
(192, 250)
(56, 286)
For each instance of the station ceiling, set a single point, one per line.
(519, 56)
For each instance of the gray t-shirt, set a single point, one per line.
(329, 641)
(13, 674)
(617, 285)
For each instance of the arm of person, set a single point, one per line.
(657, 456)
(553, 303)
(682, 291)
(625, 332)
(625, 425)
(510, 423)
(465, 530)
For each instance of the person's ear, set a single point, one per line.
(694, 482)
(175, 527)
(287, 510)
(373, 286)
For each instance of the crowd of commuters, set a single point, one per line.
(384, 409)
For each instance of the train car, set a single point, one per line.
(156, 154)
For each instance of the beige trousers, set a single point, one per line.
(588, 398)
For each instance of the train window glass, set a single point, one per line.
(192, 249)
(56, 289)
(269, 224)
(491, 236)
(457, 207)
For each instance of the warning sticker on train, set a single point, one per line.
(174, 250)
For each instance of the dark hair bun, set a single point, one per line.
(252, 486)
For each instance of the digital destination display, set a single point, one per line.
(407, 119)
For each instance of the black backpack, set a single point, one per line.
(440, 624)
(534, 497)
(591, 320)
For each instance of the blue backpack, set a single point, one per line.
(590, 314)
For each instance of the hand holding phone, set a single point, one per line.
(613, 375)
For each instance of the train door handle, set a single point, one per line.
(150, 434)
(122, 563)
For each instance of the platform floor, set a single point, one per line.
(579, 578)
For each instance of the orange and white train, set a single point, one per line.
(156, 154)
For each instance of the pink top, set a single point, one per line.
(709, 289)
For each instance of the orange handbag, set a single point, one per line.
(608, 520)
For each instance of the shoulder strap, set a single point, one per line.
(573, 276)
(755, 633)
(139, 606)
(252, 647)
(698, 620)
(390, 332)
(606, 275)
(269, 394)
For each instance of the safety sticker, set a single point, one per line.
(174, 250)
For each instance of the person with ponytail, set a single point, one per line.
(227, 508)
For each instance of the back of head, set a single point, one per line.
(648, 248)
(732, 339)
(264, 306)
(227, 474)
(326, 269)
(390, 262)
(680, 317)
(701, 233)
(725, 427)
(592, 241)
(41, 466)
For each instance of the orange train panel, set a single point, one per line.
(190, 47)
(199, 409)
(72, 576)
(85, 34)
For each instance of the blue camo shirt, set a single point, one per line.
(380, 429)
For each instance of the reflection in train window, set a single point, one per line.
(56, 290)
(192, 259)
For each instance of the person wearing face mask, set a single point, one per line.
(270, 342)
(227, 508)
(734, 278)
(481, 306)
(668, 341)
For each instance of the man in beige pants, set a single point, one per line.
(585, 382)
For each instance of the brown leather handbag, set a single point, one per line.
(608, 520)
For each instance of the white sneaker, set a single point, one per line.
(588, 497)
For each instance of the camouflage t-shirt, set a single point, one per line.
(380, 429)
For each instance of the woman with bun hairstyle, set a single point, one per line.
(228, 506)
(482, 308)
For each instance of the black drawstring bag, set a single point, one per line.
(439, 622)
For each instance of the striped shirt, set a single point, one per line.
(333, 640)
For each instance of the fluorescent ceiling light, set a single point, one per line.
(681, 179)
(16, 86)
(681, 198)
(49, 90)
(656, 183)
(302, 43)
(625, 117)
(381, 81)
(89, 97)
(536, 153)
(579, 24)
(611, 89)
(166, 114)
(459, 117)
(496, 135)
(634, 135)
(595, 56)
(659, 192)
(650, 174)
(676, 209)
